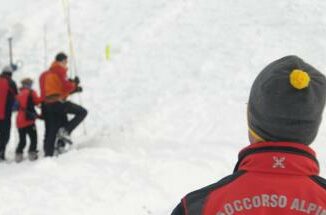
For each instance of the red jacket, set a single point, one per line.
(27, 99)
(8, 91)
(270, 178)
(54, 83)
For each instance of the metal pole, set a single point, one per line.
(10, 51)
(73, 63)
(45, 47)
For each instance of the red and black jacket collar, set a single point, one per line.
(298, 159)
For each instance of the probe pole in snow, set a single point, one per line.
(13, 66)
(10, 50)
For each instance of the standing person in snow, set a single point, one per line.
(27, 100)
(8, 92)
(278, 172)
(55, 89)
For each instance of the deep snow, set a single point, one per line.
(167, 112)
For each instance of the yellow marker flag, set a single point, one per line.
(107, 52)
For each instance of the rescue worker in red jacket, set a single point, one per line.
(55, 89)
(8, 92)
(27, 100)
(278, 173)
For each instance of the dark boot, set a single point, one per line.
(32, 156)
(19, 157)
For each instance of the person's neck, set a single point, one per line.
(253, 139)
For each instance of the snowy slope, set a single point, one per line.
(167, 112)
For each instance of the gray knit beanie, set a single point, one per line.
(7, 69)
(286, 101)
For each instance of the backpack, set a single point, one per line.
(30, 112)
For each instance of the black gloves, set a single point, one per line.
(76, 80)
(79, 89)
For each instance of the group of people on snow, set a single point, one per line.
(55, 89)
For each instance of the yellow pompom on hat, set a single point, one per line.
(286, 101)
(299, 79)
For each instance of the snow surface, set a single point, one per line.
(167, 112)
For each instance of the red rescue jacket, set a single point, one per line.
(54, 83)
(8, 91)
(27, 99)
(270, 178)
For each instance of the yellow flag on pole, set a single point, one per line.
(107, 52)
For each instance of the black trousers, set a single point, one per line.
(5, 127)
(31, 132)
(55, 117)
(79, 113)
